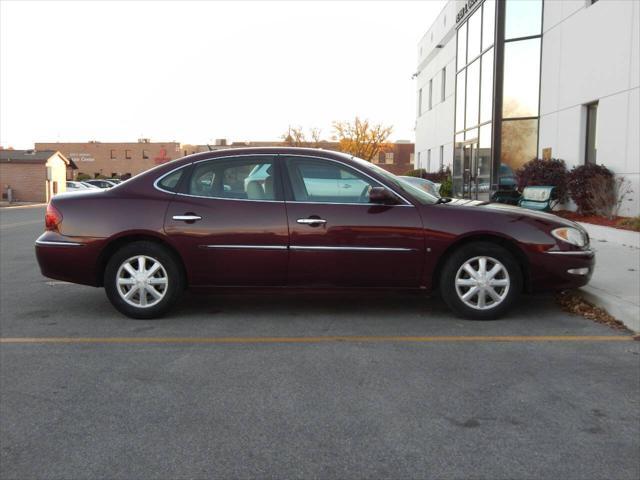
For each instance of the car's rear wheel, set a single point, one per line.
(481, 281)
(143, 280)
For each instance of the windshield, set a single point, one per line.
(416, 192)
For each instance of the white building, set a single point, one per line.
(500, 82)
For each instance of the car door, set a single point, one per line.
(338, 238)
(228, 220)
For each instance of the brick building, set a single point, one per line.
(122, 159)
(32, 176)
(398, 160)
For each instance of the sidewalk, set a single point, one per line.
(615, 285)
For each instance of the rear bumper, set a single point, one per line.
(561, 270)
(68, 259)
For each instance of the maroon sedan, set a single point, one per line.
(291, 217)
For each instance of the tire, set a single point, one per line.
(499, 292)
(162, 289)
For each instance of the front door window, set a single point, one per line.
(326, 182)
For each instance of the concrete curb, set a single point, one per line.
(604, 291)
(626, 312)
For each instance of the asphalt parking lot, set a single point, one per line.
(341, 385)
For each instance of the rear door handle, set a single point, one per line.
(311, 221)
(187, 218)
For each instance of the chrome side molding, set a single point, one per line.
(52, 243)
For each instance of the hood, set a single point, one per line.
(513, 211)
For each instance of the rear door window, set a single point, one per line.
(251, 178)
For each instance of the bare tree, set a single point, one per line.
(296, 137)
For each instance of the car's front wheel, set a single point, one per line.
(143, 280)
(481, 281)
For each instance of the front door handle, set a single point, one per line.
(187, 218)
(311, 221)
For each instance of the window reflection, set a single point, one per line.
(486, 93)
(523, 18)
(473, 93)
(488, 23)
(521, 78)
(519, 145)
(460, 87)
(484, 152)
(462, 46)
(474, 35)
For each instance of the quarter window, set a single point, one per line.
(170, 182)
(250, 179)
(323, 181)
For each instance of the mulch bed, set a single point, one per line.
(594, 219)
(573, 303)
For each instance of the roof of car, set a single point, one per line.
(232, 152)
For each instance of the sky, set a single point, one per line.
(196, 71)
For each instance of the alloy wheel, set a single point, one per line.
(482, 283)
(142, 281)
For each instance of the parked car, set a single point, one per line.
(73, 186)
(97, 182)
(426, 185)
(115, 181)
(149, 238)
(89, 185)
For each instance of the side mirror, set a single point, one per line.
(382, 196)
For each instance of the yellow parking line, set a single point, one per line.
(322, 339)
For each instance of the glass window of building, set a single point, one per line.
(473, 35)
(521, 78)
(462, 46)
(419, 102)
(430, 94)
(460, 89)
(473, 94)
(443, 84)
(488, 23)
(486, 87)
(429, 160)
(484, 155)
(441, 157)
(519, 145)
(523, 18)
(592, 139)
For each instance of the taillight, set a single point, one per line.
(53, 218)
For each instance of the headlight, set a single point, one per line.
(570, 235)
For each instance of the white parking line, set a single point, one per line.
(20, 224)
(24, 206)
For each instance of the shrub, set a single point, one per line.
(418, 172)
(83, 176)
(632, 223)
(592, 188)
(442, 176)
(544, 173)
(446, 187)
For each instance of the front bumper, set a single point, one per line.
(562, 269)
